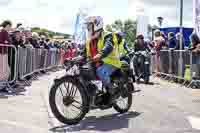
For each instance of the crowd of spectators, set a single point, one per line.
(24, 37)
(170, 42)
(19, 36)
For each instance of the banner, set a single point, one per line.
(196, 4)
(80, 29)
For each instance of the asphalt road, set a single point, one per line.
(159, 108)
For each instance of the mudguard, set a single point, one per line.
(76, 78)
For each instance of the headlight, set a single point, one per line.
(73, 70)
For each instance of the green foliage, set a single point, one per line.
(49, 33)
(118, 25)
(128, 27)
(109, 28)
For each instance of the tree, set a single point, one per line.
(109, 28)
(49, 33)
(118, 25)
(128, 27)
(130, 31)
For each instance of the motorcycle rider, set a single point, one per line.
(123, 46)
(140, 45)
(103, 49)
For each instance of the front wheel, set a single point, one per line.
(146, 79)
(146, 74)
(73, 100)
(122, 105)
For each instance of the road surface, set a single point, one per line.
(159, 108)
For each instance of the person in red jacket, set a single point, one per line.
(70, 51)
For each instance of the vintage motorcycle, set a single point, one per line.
(80, 90)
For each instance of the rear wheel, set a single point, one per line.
(123, 104)
(73, 100)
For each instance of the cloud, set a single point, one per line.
(5, 2)
(168, 9)
(60, 15)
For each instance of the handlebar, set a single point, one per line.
(79, 60)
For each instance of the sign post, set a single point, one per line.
(181, 41)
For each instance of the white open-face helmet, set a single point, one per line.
(97, 22)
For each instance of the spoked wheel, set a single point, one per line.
(68, 101)
(123, 104)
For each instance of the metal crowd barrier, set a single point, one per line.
(19, 63)
(35, 60)
(170, 65)
(8, 65)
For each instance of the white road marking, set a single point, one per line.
(195, 122)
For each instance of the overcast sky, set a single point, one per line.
(168, 9)
(59, 15)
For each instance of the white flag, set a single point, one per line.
(196, 4)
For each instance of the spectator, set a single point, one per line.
(28, 45)
(17, 39)
(47, 41)
(18, 25)
(195, 48)
(56, 44)
(171, 40)
(4, 35)
(159, 42)
(43, 43)
(163, 35)
(34, 40)
(4, 39)
(140, 44)
(70, 51)
(178, 37)
(195, 43)
(51, 44)
(27, 40)
(74, 50)
(28, 33)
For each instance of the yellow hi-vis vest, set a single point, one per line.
(122, 51)
(114, 57)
